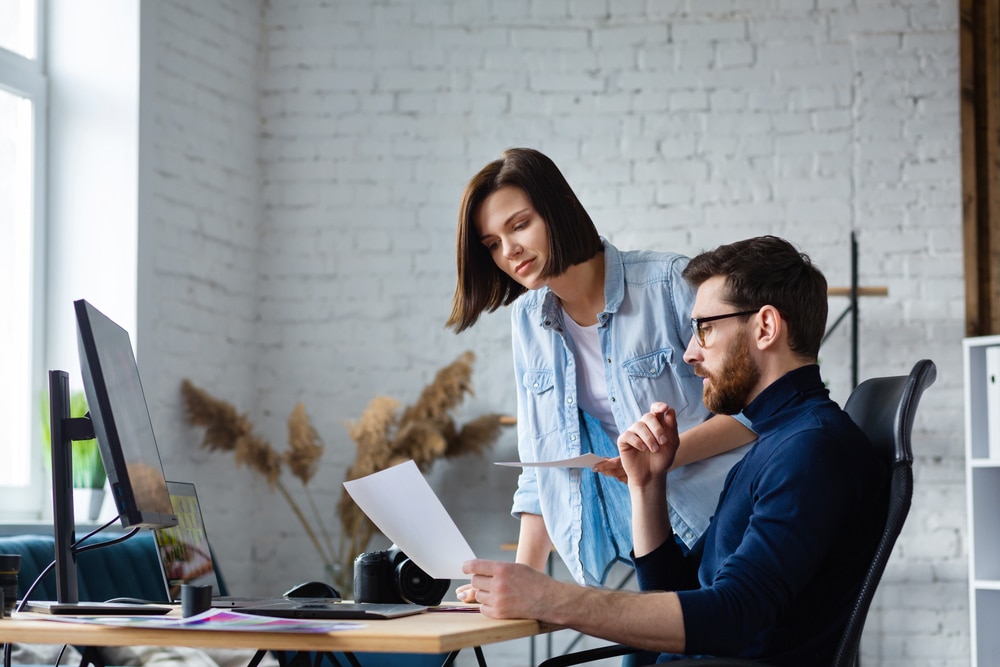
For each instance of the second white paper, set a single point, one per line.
(405, 508)
(584, 461)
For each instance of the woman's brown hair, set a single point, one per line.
(573, 238)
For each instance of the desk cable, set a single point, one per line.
(77, 549)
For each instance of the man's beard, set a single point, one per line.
(727, 390)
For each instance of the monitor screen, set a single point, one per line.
(121, 421)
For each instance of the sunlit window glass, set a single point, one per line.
(17, 26)
(16, 168)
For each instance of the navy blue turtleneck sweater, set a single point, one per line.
(775, 574)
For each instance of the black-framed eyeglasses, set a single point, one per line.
(698, 323)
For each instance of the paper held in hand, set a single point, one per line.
(404, 507)
(585, 461)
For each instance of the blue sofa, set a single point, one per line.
(131, 569)
(127, 569)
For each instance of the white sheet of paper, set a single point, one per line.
(585, 461)
(405, 508)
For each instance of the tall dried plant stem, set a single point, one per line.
(302, 519)
(331, 550)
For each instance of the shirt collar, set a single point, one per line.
(795, 383)
(614, 289)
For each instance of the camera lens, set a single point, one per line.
(10, 564)
(417, 587)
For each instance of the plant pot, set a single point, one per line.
(87, 504)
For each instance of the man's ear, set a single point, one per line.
(770, 327)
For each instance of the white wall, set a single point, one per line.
(305, 162)
(198, 252)
(92, 167)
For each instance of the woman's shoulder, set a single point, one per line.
(652, 257)
(652, 266)
(531, 303)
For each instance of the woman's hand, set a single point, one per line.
(612, 468)
(466, 594)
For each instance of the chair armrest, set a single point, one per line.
(602, 652)
(588, 655)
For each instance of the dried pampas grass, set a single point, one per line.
(229, 431)
(385, 434)
(423, 432)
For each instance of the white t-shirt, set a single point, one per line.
(591, 383)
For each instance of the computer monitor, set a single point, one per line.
(119, 419)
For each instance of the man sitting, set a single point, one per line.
(775, 574)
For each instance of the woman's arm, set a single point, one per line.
(533, 543)
(715, 435)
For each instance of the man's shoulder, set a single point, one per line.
(824, 436)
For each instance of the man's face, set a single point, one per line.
(729, 371)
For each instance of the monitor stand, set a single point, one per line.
(95, 608)
(64, 430)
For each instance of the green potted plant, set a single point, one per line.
(88, 468)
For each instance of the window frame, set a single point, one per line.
(27, 78)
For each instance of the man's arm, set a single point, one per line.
(647, 451)
(651, 621)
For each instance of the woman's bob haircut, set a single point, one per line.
(573, 238)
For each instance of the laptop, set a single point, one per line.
(185, 555)
(186, 558)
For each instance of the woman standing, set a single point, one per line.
(598, 336)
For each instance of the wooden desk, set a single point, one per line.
(432, 632)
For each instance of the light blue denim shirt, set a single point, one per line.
(643, 333)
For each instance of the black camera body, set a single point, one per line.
(390, 577)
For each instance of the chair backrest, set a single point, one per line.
(884, 408)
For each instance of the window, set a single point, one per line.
(22, 152)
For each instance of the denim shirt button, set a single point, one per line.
(572, 438)
(569, 400)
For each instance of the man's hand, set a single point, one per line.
(649, 446)
(506, 590)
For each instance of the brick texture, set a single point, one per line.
(305, 161)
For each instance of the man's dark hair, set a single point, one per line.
(573, 238)
(768, 270)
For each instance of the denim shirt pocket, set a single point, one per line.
(653, 377)
(541, 403)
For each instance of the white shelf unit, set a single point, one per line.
(982, 477)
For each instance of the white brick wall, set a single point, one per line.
(199, 237)
(306, 164)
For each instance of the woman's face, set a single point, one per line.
(515, 235)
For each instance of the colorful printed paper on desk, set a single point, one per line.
(216, 619)
(585, 461)
(404, 507)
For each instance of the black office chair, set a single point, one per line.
(884, 408)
